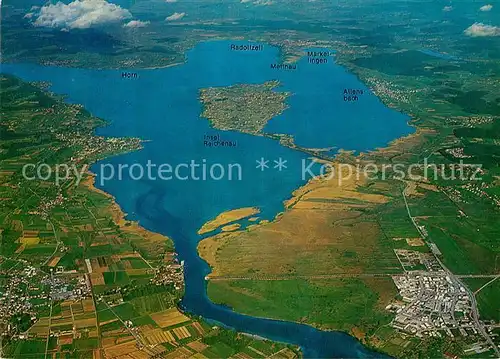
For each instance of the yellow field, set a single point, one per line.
(143, 329)
(96, 267)
(200, 356)
(198, 346)
(20, 249)
(242, 356)
(65, 339)
(181, 332)
(429, 187)
(29, 240)
(139, 354)
(85, 323)
(124, 339)
(77, 308)
(40, 328)
(198, 327)
(96, 354)
(88, 305)
(30, 234)
(53, 262)
(323, 220)
(415, 242)
(231, 227)
(180, 353)
(66, 310)
(227, 217)
(158, 336)
(120, 349)
(108, 341)
(169, 317)
(127, 255)
(97, 279)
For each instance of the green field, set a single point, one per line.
(488, 300)
(153, 303)
(330, 304)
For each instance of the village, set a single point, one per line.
(31, 292)
(434, 304)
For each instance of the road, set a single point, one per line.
(58, 241)
(453, 277)
(493, 276)
(270, 277)
(294, 277)
(487, 284)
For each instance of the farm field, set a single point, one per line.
(313, 301)
(488, 299)
(408, 262)
(87, 283)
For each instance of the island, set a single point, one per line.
(244, 108)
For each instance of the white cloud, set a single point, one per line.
(170, 1)
(486, 7)
(136, 23)
(481, 30)
(28, 15)
(80, 14)
(245, 1)
(448, 8)
(175, 16)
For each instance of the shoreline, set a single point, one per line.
(122, 221)
(393, 147)
(120, 217)
(353, 334)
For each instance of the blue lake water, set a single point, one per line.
(162, 106)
